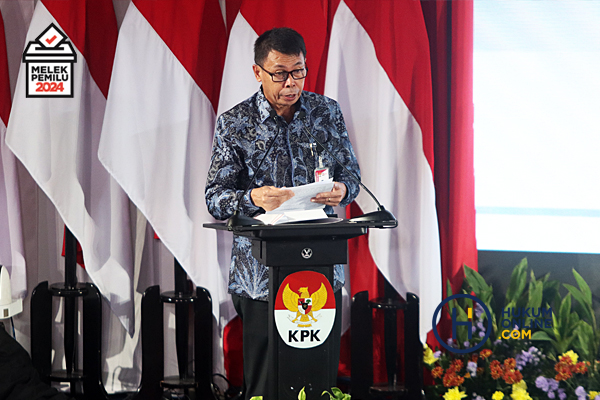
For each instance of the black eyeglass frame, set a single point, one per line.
(287, 74)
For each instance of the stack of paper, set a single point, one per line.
(299, 207)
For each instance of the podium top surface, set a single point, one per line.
(343, 229)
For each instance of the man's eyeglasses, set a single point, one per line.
(282, 76)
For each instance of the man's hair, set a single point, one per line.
(284, 40)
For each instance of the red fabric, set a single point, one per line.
(4, 87)
(450, 30)
(309, 19)
(233, 351)
(92, 28)
(195, 32)
(79, 250)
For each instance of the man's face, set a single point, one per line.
(281, 95)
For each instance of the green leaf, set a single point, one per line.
(518, 280)
(337, 393)
(583, 286)
(302, 394)
(256, 398)
(563, 315)
(580, 298)
(540, 335)
(476, 281)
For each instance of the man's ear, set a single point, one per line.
(256, 70)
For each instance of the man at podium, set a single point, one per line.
(270, 128)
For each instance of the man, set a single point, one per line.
(278, 113)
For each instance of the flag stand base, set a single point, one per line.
(362, 385)
(196, 384)
(88, 378)
(87, 381)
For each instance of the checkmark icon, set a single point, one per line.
(49, 41)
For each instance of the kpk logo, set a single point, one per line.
(49, 63)
(304, 309)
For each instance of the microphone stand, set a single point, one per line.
(382, 215)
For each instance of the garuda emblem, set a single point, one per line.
(304, 304)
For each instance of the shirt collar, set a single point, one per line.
(264, 108)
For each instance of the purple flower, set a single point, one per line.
(480, 326)
(472, 368)
(541, 383)
(437, 354)
(479, 398)
(478, 310)
(551, 395)
(597, 397)
(580, 392)
(553, 383)
(473, 329)
(450, 342)
(481, 334)
(467, 344)
(561, 394)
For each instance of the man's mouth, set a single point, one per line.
(289, 96)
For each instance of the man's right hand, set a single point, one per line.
(270, 197)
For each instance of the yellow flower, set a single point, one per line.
(454, 394)
(593, 394)
(428, 356)
(520, 394)
(521, 385)
(572, 355)
(498, 395)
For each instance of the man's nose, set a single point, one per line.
(290, 81)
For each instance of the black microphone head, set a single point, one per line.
(301, 114)
(273, 114)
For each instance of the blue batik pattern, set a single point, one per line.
(242, 135)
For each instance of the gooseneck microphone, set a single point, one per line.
(382, 217)
(238, 219)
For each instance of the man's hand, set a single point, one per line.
(270, 197)
(333, 198)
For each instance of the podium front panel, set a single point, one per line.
(291, 368)
(324, 252)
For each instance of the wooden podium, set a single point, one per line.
(288, 249)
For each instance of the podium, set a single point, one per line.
(300, 355)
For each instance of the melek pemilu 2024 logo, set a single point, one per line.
(49, 63)
(516, 322)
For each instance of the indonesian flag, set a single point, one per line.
(57, 140)
(11, 236)
(308, 18)
(159, 123)
(378, 69)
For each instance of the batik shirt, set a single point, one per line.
(241, 138)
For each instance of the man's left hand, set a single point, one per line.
(332, 198)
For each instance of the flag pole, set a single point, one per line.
(70, 303)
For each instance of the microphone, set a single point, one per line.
(382, 216)
(238, 219)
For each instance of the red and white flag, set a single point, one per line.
(378, 69)
(11, 236)
(159, 123)
(309, 19)
(56, 138)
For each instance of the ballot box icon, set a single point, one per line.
(49, 63)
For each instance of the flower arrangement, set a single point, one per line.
(542, 346)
